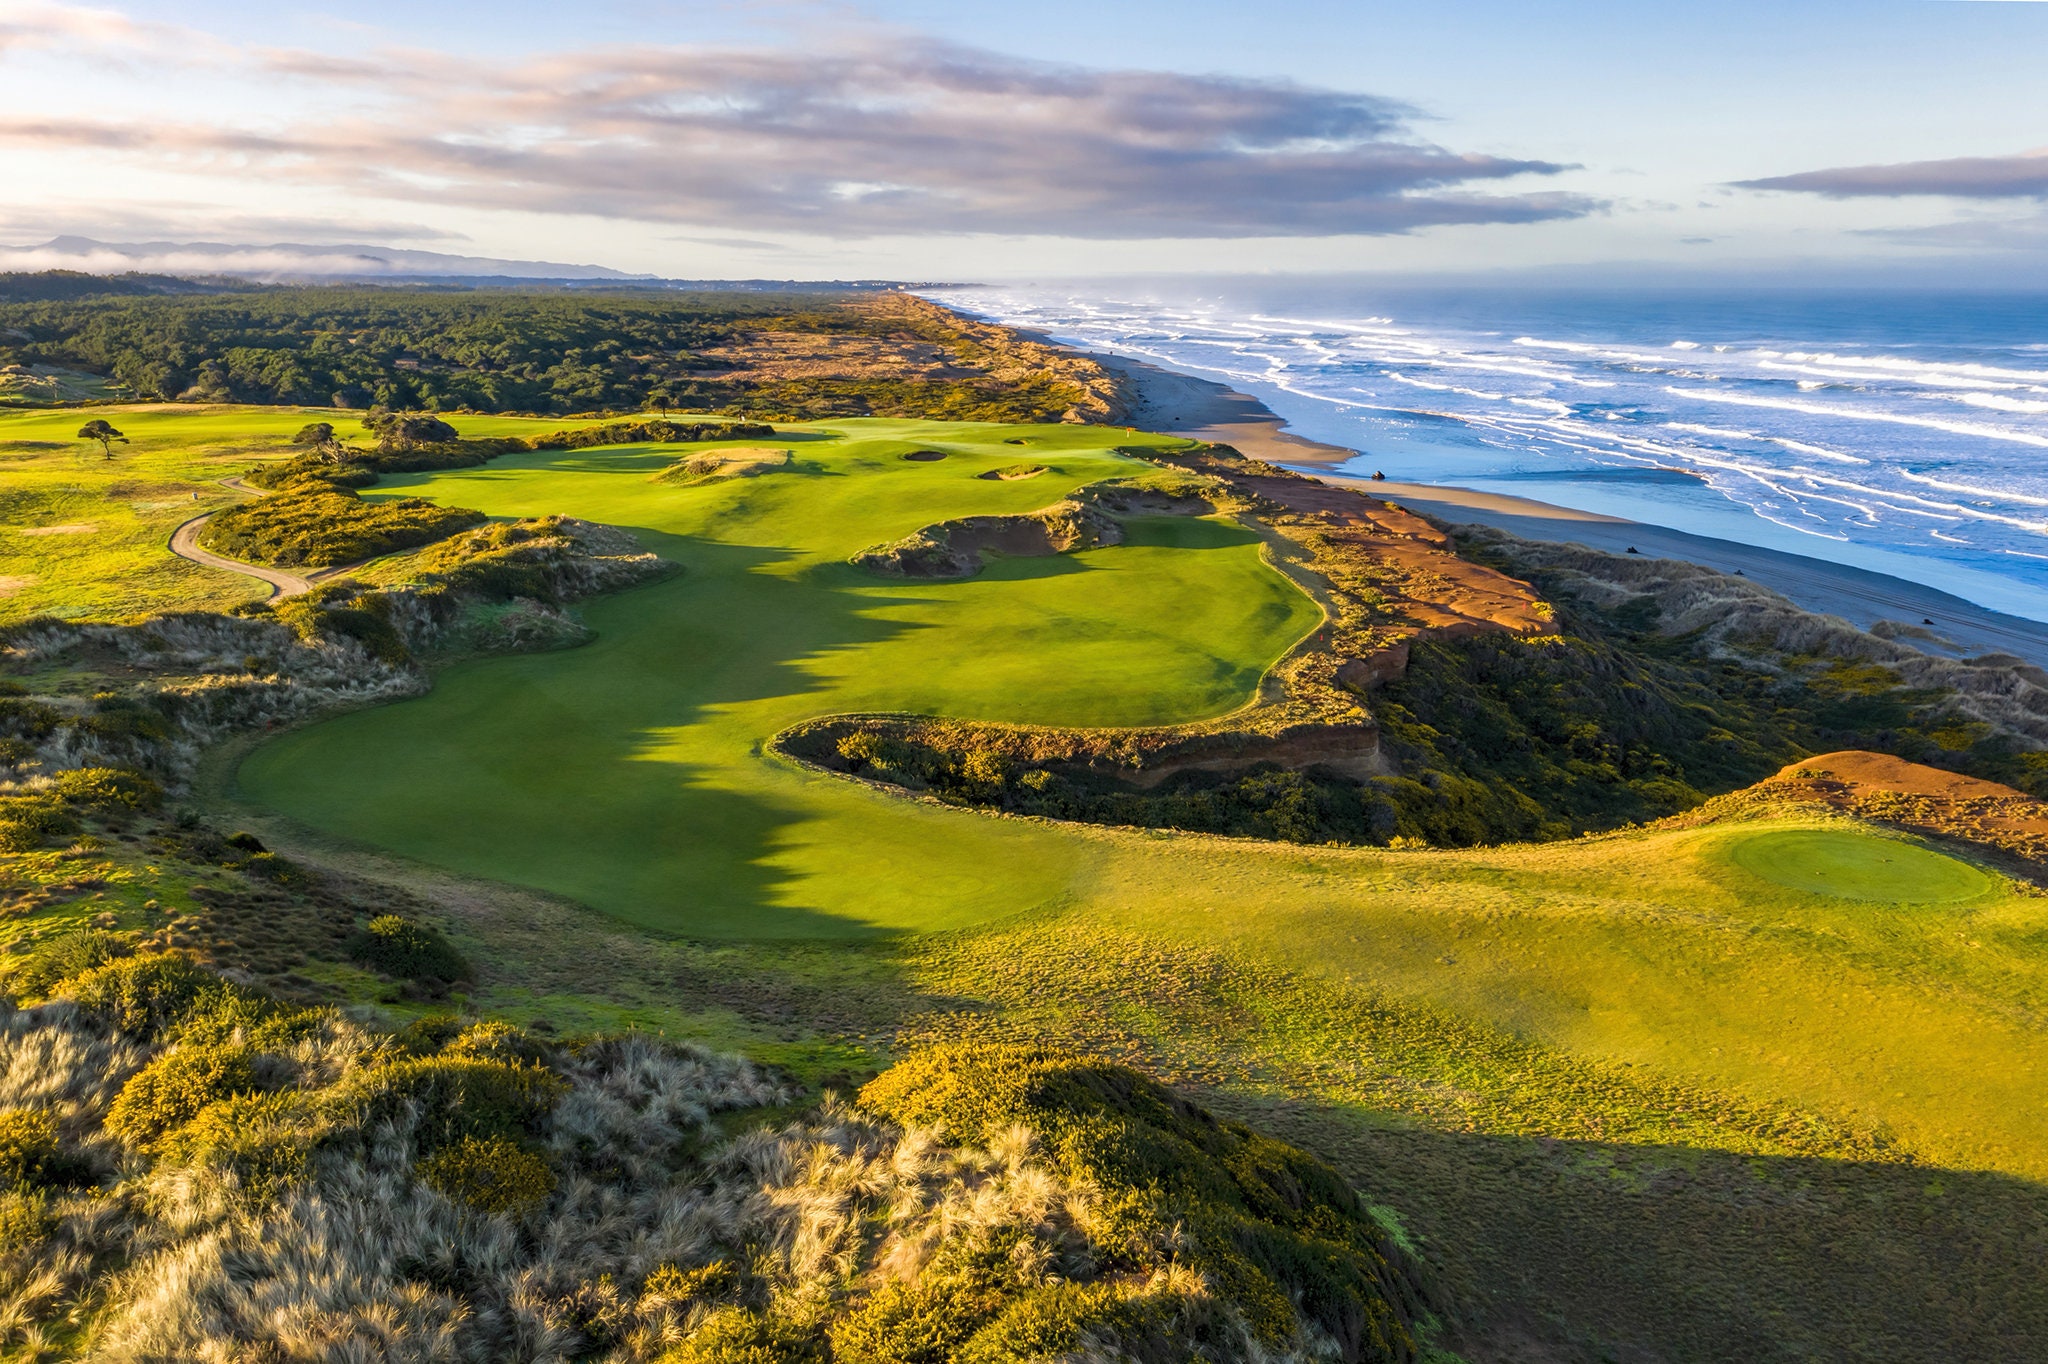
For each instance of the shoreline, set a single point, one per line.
(1204, 409)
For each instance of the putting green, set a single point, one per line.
(1856, 866)
(629, 774)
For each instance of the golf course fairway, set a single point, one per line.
(630, 775)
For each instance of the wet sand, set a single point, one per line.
(1203, 409)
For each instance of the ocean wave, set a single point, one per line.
(1864, 415)
(1878, 440)
(2001, 403)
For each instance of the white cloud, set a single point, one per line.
(869, 138)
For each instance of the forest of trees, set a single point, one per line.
(475, 350)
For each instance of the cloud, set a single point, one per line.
(870, 138)
(1966, 177)
(1975, 234)
(40, 24)
(732, 243)
(187, 220)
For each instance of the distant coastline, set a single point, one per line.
(1203, 409)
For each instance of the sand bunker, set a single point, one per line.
(81, 528)
(925, 456)
(712, 466)
(954, 549)
(1014, 473)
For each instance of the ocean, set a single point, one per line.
(1901, 432)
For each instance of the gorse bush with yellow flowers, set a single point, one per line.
(206, 1168)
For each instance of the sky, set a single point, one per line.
(1801, 140)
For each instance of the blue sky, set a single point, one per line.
(916, 139)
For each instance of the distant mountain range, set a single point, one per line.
(286, 261)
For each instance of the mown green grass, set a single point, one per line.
(629, 775)
(167, 473)
(1855, 867)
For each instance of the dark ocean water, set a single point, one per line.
(1902, 432)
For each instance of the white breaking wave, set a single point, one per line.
(2003, 404)
(1861, 415)
(1924, 449)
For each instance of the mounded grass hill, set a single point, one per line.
(190, 1168)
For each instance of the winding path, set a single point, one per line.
(185, 544)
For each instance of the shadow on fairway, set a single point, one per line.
(601, 773)
(1589, 1251)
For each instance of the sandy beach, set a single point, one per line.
(1205, 410)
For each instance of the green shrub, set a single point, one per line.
(21, 718)
(263, 1139)
(171, 1090)
(27, 822)
(740, 1335)
(142, 995)
(429, 1033)
(25, 1220)
(1063, 1320)
(43, 813)
(403, 947)
(121, 717)
(32, 1154)
(340, 611)
(454, 1097)
(56, 959)
(495, 1041)
(109, 789)
(320, 525)
(1269, 1226)
(922, 1322)
(489, 1173)
(677, 1284)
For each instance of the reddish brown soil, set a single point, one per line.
(1401, 556)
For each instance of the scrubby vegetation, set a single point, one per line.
(322, 527)
(791, 355)
(245, 1172)
(120, 700)
(954, 549)
(413, 442)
